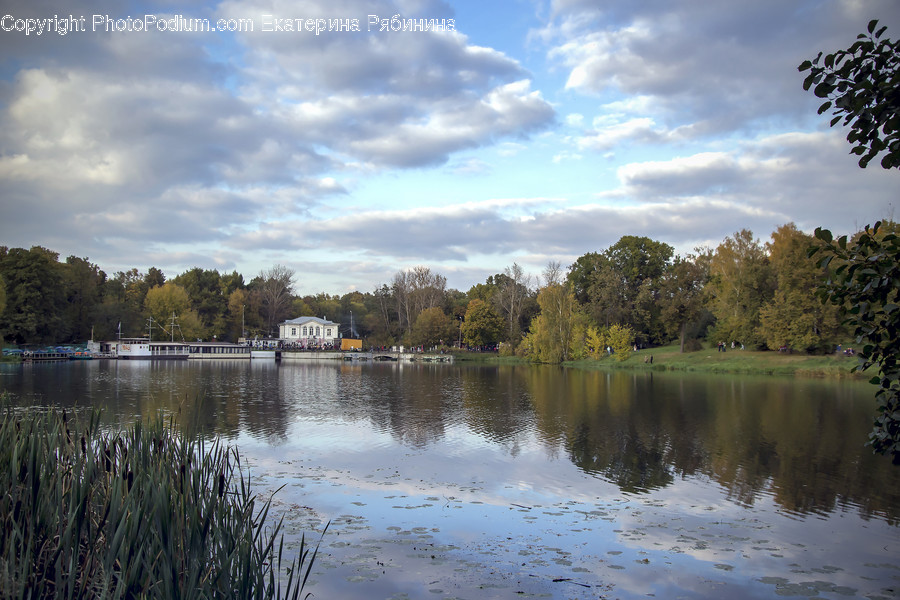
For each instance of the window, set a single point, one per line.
(304, 331)
(293, 332)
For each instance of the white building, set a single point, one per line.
(309, 332)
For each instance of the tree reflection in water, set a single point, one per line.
(797, 441)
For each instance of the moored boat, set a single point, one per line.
(144, 349)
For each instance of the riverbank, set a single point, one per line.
(750, 362)
(708, 360)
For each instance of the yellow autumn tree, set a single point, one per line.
(170, 301)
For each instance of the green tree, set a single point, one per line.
(860, 86)
(154, 277)
(84, 284)
(433, 327)
(623, 284)
(2, 295)
(482, 324)
(582, 273)
(865, 284)
(681, 295)
(793, 317)
(207, 295)
(324, 305)
(35, 300)
(740, 283)
(355, 304)
(123, 304)
(482, 291)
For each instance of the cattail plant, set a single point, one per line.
(147, 513)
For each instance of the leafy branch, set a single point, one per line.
(861, 86)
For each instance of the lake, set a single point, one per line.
(458, 481)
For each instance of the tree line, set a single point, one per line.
(635, 292)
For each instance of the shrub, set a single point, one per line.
(148, 513)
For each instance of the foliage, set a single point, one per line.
(740, 283)
(621, 340)
(83, 284)
(793, 318)
(681, 294)
(860, 86)
(595, 342)
(432, 328)
(865, 283)
(34, 295)
(205, 291)
(560, 325)
(757, 294)
(621, 284)
(581, 275)
(2, 295)
(149, 513)
(482, 324)
(236, 321)
(168, 302)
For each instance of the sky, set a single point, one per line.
(523, 131)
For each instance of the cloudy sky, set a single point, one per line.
(532, 131)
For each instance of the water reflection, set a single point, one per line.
(798, 442)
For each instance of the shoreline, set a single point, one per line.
(707, 360)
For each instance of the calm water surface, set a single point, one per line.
(444, 481)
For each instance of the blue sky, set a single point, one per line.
(532, 132)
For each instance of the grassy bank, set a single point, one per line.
(668, 358)
(148, 513)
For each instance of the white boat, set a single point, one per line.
(147, 349)
(218, 350)
(144, 349)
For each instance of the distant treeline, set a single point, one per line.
(636, 292)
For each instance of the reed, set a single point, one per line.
(147, 513)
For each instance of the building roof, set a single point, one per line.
(305, 320)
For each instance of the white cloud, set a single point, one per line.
(704, 68)
(682, 121)
(574, 119)
(611, 135)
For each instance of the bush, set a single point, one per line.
(148, 513)
(507, 349)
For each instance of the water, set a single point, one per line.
(444, 481)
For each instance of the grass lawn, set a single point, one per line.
(733, 361)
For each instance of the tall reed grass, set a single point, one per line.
(147, 513)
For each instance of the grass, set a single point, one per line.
(148, 513)
(668, 358)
